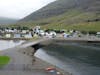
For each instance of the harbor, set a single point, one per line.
(22, 62)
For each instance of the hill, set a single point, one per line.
(61, 6)
(4, 20)
(66, 14)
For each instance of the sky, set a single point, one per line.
(20, 8)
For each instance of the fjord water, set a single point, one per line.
(76, 58)
(5, 44)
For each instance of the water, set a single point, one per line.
(5, 44)
(76, 58)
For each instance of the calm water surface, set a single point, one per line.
(76, 58)
(5, 44)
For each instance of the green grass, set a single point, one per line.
(72, 19)
(75, 20)
(91, 26)
(4, 60)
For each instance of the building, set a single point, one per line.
(36, 29)
(8, 35)
(98, 34)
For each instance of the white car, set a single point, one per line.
(51, 34)
(41, 33)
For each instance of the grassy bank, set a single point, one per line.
(4, 60)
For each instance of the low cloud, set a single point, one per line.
(20, 8)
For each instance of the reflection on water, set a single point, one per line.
(4, 44)
(77, 58)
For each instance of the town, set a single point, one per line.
(37, 32)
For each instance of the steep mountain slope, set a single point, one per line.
(83, 15)
(4, 20)
(62, 6)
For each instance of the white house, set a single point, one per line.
(98, 34)
(28, 35)
(65, 35)
(24, 31)
(17, 35)
(10, 30)
(36, 29)
(41, 32)
(51, 34)
(8, 35)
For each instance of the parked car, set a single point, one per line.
(51, 34)
(41, 33)
(98, 34)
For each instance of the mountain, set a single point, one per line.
(65, 13)
(4, 20)
(61, 6)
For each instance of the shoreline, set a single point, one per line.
(41, 64)
(23, 56)
(50, 65)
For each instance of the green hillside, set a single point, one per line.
(59, 7)
(73, 19)
(66, 14)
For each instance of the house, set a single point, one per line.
(8, 35)
(0, 34)
(0, 30)
(24, 31)
(98, 34)
(17, 35)
(29, 35)
(36, 29)
(50, 34)
(15, 31)
(11, 31)
(41, 33)
(65, 35)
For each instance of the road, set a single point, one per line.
(21, 63)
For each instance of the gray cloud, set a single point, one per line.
(20, 8)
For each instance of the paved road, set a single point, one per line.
(21, 64)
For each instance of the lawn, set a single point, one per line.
(4, 60)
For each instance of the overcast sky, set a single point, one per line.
(20, 8)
